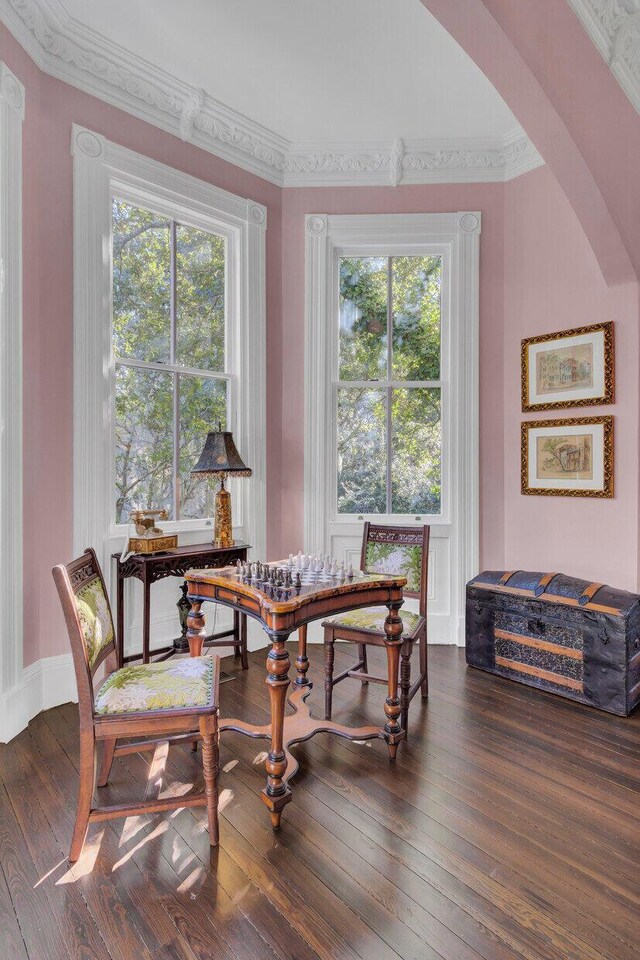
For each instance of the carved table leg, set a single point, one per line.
(277, 794)
(195, 629)
(120, 620)
(243, 641)
(146, 616)
(302, 660)
(393, 732)
(405, 682)
(328, 672)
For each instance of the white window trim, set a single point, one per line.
(326, 237)
(102, 168)
(11, 514)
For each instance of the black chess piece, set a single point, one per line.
(298, 581)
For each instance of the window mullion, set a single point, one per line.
(389, 375)
(176, 446)
(176, 384)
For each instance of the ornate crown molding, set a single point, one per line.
(411, 161)
(69, 50)
(614, 27)
(11, 90)
(72, 52)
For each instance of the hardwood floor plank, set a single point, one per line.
(81, 935)
(535, 896)
(323, 850)
(40, 931)
(13, 945)
(195, 842)
(214, 930)
(133, 889)
(507, 828)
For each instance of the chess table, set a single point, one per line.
(282, 610)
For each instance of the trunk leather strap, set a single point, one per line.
(506, 576)
(589, 593)
(543, 584)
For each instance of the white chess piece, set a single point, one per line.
(334, 567)
(350, 571)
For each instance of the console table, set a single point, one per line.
(148, 568)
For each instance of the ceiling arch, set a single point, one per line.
(549, 73)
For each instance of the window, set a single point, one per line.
(171, 383)
(391, 390)
(169, 340)
(388, 392)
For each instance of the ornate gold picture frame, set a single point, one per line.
(573, 368)
(571, 457)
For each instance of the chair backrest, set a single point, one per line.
(87, 613)
(401, 550)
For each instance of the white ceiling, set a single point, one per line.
(313, 70)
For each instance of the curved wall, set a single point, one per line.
(538, 273)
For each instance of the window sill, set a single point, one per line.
(121, 532)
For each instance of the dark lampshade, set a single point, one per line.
(220, 456)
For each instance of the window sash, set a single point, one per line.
(174, 369)
(176, 217)
(389, 383)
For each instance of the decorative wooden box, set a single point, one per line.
(567, 636)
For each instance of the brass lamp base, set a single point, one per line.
(222, 526)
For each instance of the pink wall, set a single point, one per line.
(51, 108)
(552, 282)
(538, 273)
(439, 198)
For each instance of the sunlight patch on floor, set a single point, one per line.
(175, 789)
(159, 830)
(260, 757)
(132, 826)
(85, 863)
(48, 874)
(189, 881)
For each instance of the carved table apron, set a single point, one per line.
(280, 618)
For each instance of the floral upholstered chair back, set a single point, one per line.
(87, 611)
(399, 550)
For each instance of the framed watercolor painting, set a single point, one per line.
(568, 458)
(573, 368)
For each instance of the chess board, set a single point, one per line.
(289, 577)
(288, 584)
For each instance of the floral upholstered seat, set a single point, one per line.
(373, 620)
(169, 685)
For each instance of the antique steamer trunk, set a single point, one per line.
(563, 635)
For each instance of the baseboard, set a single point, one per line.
(45, 684)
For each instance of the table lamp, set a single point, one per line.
(220, 459)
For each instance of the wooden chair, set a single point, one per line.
(385, 549)
(176, 698)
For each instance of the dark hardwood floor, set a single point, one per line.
(507, 828)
